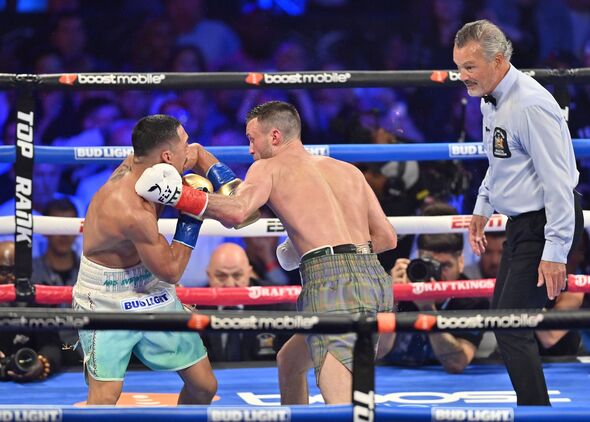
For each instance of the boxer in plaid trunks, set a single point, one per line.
(361, 288)
(329, 212)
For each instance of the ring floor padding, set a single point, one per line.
(426, 393)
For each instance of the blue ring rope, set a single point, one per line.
(345, 152)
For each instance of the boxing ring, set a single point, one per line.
(382, 393)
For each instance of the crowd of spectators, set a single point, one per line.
(72, 36)
(58, 36)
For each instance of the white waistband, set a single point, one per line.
(99, 277)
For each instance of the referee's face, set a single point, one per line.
(479, 74)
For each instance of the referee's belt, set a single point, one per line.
(363, 248)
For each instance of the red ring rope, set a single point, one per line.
(230, 296)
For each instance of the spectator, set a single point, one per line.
(292, 56)
(218, 42)
(262, 254)
(95, 116)
(453, 350)
(566, 342)
(68, 37)
(134, 104)
(487, 267)
(54, 108)
(187, 58)
(119, 135)
(579, 263)
(399, 191)
(525, 23)
(58, 266)
(8, 135)
(203, 113)
(489, 262)
(45, 344)
(46, 179)
(561, 342)
(156, 38)
(229, 267)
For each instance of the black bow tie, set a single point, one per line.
(490, 99)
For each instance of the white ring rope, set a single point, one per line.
(268, 227)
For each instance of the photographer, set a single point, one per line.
(441, 259)
(25, 356)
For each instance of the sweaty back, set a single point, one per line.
(328, 205)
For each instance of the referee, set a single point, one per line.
(531, 178)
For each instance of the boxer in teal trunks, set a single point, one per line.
(128, 266)
(134, 289)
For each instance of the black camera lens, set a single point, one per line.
(423, 269)
(23, 360)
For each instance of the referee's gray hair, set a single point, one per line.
(489, 36)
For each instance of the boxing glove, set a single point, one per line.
(162, 184)
(225, 182)
(287, 256)
(189, 225)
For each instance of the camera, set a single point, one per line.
(423, 269)
(21, 362)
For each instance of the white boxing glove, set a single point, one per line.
(161, 183)
(287, 256)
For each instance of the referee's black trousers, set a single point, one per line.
(516, 287)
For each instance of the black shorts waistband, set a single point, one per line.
(339, 249)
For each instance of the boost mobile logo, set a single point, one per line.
(440, 76)
(112, 79)
(297, 78)
(57, 321)
(480, 322)
(263, 323)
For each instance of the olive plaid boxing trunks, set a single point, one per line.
(350, 284)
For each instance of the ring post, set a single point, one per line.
(24, 142)
(363, 371)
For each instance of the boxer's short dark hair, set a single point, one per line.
(152, 131)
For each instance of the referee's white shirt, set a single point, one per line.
(534, 167)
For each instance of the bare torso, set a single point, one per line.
(320, 200)
(107, 222)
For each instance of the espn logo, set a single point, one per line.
(459, 222)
